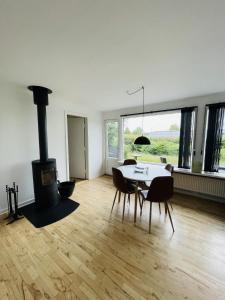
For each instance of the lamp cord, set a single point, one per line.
(143, 104)
(143, 110)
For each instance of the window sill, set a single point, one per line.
(216, 175)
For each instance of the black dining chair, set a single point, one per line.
(124, 186)
(170, 168)
(163, 160)
(145, 185)
(160, 191)
(128, 162)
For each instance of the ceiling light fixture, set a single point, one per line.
(141, 140)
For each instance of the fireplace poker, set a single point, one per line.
(15, 214)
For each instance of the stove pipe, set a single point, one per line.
(44, 170)
(40, 95)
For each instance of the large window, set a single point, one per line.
(163, 129)
(112, 139)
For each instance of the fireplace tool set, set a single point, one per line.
(12, 195)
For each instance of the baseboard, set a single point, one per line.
(199, 195)
(21, 204)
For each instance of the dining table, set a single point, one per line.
(142, 172)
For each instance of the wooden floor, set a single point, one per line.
(92, 255)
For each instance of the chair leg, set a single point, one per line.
(142, 206)
(165, 209)
(114, 200)
(150, 217)
(170, 204)
(128, 198)
(139, 198)
(124, 202)
(169, 216)
(159, 208)
(119, 197)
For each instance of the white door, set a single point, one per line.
(76, 147)
(112, 145)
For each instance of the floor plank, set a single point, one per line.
(91, 254)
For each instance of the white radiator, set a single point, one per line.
(200, 184)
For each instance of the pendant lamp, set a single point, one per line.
(141, 140)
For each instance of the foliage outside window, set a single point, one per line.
(112, 136)
(163, 130)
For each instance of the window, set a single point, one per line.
(214, 151)
(163, 129)
(112, 139)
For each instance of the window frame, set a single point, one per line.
(159, 112)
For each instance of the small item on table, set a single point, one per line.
(142, 170)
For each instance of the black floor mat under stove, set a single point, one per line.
(41, 218)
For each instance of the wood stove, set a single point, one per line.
(44, 169)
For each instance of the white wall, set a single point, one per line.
(19, 138)
(200, 102)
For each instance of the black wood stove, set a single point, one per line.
(49, 206)
(44, 169)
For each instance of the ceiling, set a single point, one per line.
(92, 51)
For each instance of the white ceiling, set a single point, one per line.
(92, 51)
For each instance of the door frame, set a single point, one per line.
(78, 115)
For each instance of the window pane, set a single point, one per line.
(163, 129)
(112, 133)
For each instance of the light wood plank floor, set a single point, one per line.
(92, 255)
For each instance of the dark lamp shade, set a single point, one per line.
(142, 140)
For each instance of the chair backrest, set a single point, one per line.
(163, 160)
(169, 168)
(161, 189)
(129, 162)
(119, 181)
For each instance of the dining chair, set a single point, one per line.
(129, 162)
(124, 186)
(160, 191)
(170, 168)
(163, 160)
